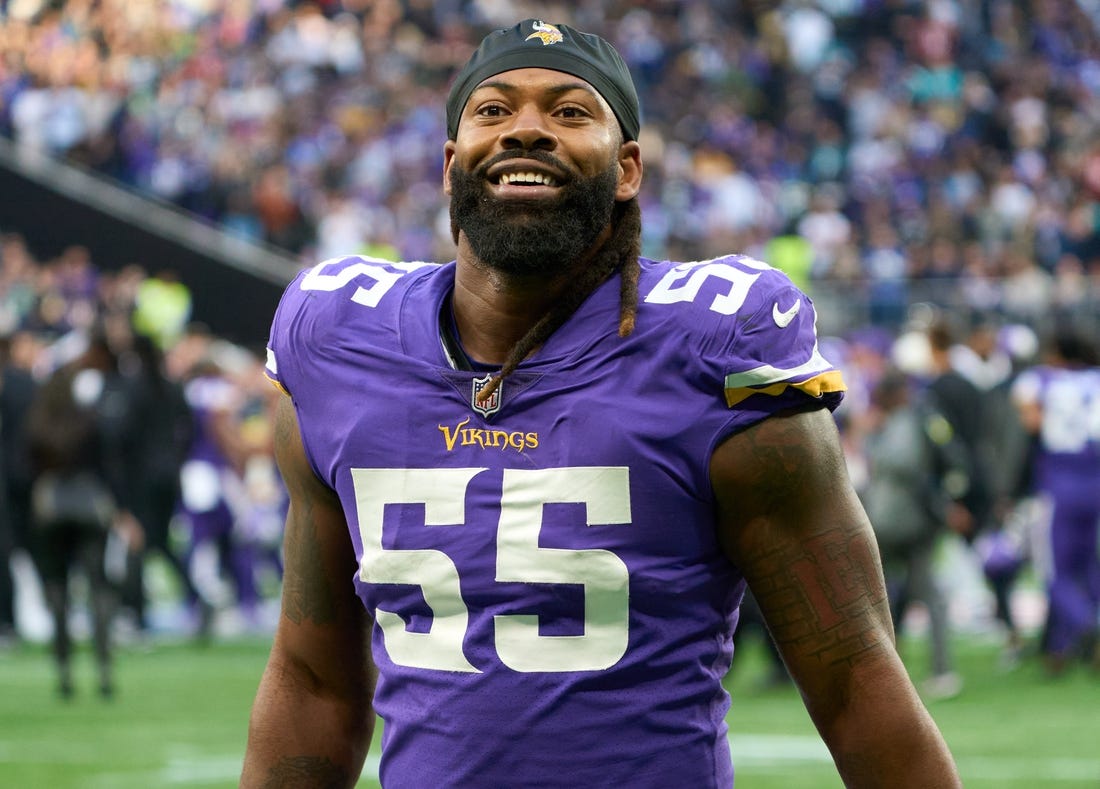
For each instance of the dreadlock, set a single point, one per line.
(619, 253)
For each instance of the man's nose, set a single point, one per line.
(530, 129)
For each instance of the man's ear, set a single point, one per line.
(448, 159)
(630, 171)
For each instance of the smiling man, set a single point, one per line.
(529, 487)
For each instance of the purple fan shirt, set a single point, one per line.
(551, 604)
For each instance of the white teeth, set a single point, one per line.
(526, 178)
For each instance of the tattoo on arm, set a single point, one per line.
(814, 564)
(822, 599)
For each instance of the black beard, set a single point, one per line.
(531, 237)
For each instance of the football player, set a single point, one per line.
(529, 487)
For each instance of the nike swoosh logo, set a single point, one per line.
(783, 319)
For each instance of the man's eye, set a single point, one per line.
(491, 110)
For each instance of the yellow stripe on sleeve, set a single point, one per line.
(818, 385)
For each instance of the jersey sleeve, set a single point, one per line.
(764, 356)
(774, 360)
(749, 334)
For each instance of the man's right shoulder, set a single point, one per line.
(347, 301)
(342, 285)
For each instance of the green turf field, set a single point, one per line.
(180, 716)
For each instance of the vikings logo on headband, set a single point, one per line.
(547, 34)
(583, 55)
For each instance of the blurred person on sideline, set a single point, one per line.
(917, 473)
(1059, 403)
(258, 497)
(963, 387)
(529, 487)
(991, 357)
(76, 432)
(966, 408)
(212, 487)
(166, 424)
(17, 391)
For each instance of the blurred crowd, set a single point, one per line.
(928, 170)
(942, 149)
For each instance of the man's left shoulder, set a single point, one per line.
(733, 288)
(741, 320)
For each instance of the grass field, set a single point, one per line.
(180, 717)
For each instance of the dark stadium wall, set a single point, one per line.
(236, 303)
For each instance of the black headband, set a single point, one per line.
(536, 44)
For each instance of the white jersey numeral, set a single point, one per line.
(605, 492)
(443, 494)
(382, 274)
(1071, 415)
(683, 282)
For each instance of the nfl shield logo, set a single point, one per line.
(490, 406)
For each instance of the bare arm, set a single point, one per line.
(789, 518)
(1031, 415)
(312, 720)
(226, 432)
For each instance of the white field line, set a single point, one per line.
(757, 753)
(762, 751)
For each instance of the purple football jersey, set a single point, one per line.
(1069, 436)
(551, 604)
